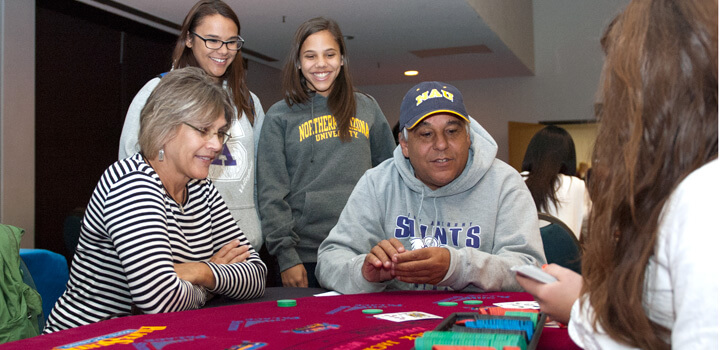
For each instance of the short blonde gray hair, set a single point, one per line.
(186, 95)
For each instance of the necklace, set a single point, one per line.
(180, 204)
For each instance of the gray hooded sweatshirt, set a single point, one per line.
(485, 218)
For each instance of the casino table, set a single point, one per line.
(316, 322)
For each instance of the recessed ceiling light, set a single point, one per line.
(411, 73)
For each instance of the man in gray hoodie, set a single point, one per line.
(443, 213)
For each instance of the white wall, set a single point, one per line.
(568, 60)
(512, 21)
(17, 116)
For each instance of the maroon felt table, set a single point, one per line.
(334, 322)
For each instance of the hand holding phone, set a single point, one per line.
(534, 272)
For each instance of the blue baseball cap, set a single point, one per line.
(428, 98)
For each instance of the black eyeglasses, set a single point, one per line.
(222, 136)
(215, 44)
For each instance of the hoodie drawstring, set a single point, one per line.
(417, 215)
(312, 116)
(436, 216)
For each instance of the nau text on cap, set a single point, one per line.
(433, 94)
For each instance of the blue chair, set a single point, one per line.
(50, 273)
(561, 245)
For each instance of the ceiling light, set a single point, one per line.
(411, 73)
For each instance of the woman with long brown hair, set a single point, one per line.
(210, 39)
(649, 278)
(315, 146)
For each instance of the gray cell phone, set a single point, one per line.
(534, 272)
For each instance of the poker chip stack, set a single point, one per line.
(509, 330)
(494, 340)
(287, 302)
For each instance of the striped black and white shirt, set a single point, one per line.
(133, 233)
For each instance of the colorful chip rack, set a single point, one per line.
(461, 347)
(517, 329)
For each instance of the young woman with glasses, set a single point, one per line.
(210, 39)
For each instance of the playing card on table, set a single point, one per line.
(407, 316)
(519, 305)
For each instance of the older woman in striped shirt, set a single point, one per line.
(157, 236)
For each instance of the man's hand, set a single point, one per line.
(378, 263)
(231, 253)
(295, 276)
(427, 265)
(556, 298)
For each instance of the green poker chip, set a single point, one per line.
(372, 311)
(287, 302)
(472, 302)
(447, 303)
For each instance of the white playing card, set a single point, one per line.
(407, 316)
(533, 305)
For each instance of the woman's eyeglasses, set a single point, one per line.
(215, 44)
(222, 136)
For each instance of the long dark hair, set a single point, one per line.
(658, 124)
(551, 152)
(235, 74)
(341, 100)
